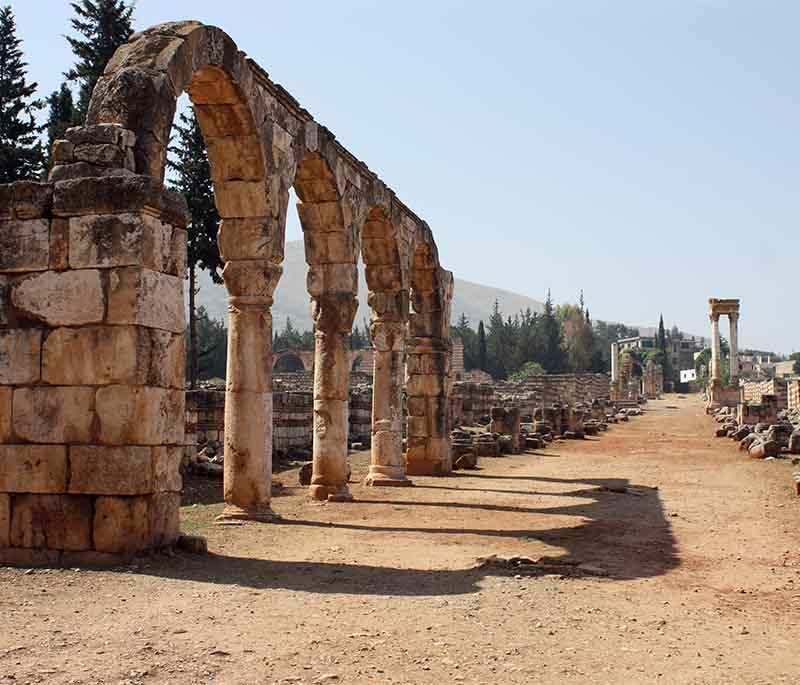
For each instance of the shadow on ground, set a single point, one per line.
(623, 534)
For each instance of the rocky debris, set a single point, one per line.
(193, 544)
(464, 456)
(486, 445)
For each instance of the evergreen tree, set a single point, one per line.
(553, 353)
(483, 354)
(61, 115)
(661, 336)
(104, 25)
(189, 160)
(21, 154)
(212, 342)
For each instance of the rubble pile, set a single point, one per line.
(774, 439)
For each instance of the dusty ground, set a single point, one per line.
(690, 573)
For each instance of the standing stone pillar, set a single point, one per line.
(248, 390)
(388, 466)
(428, 384)
(734, 354)
(614, 362)
(333, 320)
(716, 353)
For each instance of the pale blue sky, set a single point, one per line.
(647, 152)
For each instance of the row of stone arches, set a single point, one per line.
(106, 199)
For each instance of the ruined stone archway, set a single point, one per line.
(91, 301)
(288, 361)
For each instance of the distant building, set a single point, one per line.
(682, 351)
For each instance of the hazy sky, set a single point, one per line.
(647, 152)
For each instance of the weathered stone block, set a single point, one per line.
(96, 134)
(127, 239)
(5, 520)
(236, 157)
(147, 298)
(102, 355)
(245, 238)
(140, 415)
(235, 199)
(166, 468)
(96, 470)
(113, 194)
(67, 298)
(93, 355)
(424, 384)
(330, 248)
(63, 152)
(175, 264)
(24, 245)
(165, 525)
(33, 468)
(331, 278)
(28, 558)
(26, 200)
(20, 354)
(59, 244)
(51, 522)
(104, 154)
(5, 414)
(54, 414)
(121, 524)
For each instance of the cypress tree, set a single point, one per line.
(189, 160)
(61, 115)
(104, 25)
(554, 355)
(483, 356)
(21, 154)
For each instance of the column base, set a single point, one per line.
(330, 493)
(387, 476)
(263, 514)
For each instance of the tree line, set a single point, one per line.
(99, 27)
(559, 339)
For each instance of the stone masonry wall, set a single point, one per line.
(752, 391)
(91, 365)
(793, 394)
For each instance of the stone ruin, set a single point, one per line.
(762, 416)
(718, 394)
(92, 404)
(492, 419)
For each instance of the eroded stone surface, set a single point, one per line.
(33, 468)
(25, 245)
(96, 470)
(54, 414)
(147, 298)
(61, 298)
(20, 353)
(52, 522)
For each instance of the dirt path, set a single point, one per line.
(664, 556)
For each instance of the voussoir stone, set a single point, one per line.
(64, 298)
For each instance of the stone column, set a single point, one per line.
(428, 386)
(388, 466)
(614, 362)
(734, 354)
(248, 392)
(715, 349)
(333, 320)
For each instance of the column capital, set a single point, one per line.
(251, 281)
(713, 317)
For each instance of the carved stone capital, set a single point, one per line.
(251, 281)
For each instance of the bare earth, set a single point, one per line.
(663, 555)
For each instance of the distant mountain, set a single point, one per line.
(291, 296)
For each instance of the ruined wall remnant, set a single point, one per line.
(91, 363)
(92, 311)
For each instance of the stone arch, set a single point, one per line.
(287, 361)
(91, 265)
(138, 92)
